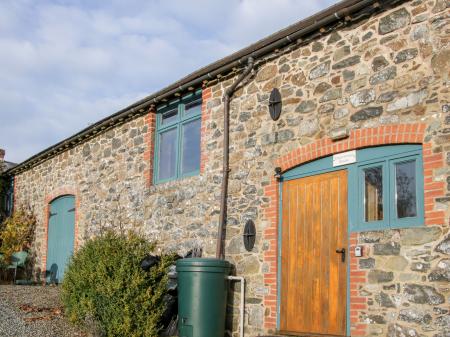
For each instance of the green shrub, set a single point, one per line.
(104, 282)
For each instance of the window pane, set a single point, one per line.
(191, 146)
(169, 116)
(373, 194)
(405, 185)
(193, 108)
(167, 154)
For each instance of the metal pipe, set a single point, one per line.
(226, 152)
(242, 304)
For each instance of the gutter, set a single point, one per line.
(293, 34)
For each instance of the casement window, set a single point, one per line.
(391, 190)
(177, 147)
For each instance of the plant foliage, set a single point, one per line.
(104, 282)
(17, 233)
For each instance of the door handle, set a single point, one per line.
(342, 252)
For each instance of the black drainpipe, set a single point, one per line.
(226, 151)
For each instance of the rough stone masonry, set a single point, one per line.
(380, 81)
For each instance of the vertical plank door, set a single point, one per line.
(61, 236)
(313, 274)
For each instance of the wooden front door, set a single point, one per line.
(313, 274)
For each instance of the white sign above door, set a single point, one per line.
(344, 158)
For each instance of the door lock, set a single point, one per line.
(342, 252)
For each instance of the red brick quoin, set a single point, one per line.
(59, 192)
(382, 135)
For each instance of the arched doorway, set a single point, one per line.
(61, 235)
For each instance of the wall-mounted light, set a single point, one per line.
(275, 104)
(277, 174)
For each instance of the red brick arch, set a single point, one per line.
(361, 138)
(56, 193)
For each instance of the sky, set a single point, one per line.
(66, 64)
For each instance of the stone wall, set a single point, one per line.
(383, 80)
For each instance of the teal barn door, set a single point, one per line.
(61, 235)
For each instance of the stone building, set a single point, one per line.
(349, 188)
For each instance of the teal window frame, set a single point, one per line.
(384, 223)
(177, 124)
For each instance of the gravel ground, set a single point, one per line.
(33, 311)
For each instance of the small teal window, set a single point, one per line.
(177, 147)
(391, 191)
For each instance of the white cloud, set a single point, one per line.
(65, 64)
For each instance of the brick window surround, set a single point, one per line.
(59, 192)
(149, 137)
(358, 139)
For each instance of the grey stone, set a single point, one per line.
(383, 75)
(331, 94)
(306, 106)
(244, 116)
(384, 300)
(423, 294)
(442, 272)
(366, 113)
(326, 108)
(390, 248)
(398, 19)
(387, 96)
(362, 97)
(414, 315)
(368, 263)
(443, 321)
(405, 55)
(86, 150)
(380, 276)
(367, 36)
(270, 138)
(285, 68)
(396, 330)
(419, 235)
(116, 143)
(339, 133)
(309, 127)
(348, 75)
(316, 46)
(285, 135)
(420, 267)
(340, 113)
(320, 70)
(340, 53)
(334, 37)
(377, 319)
(444, 246)
(321, 88)
(408, 101)
(419, 32)
(356, 84)
(348, 62)
(379, 63)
